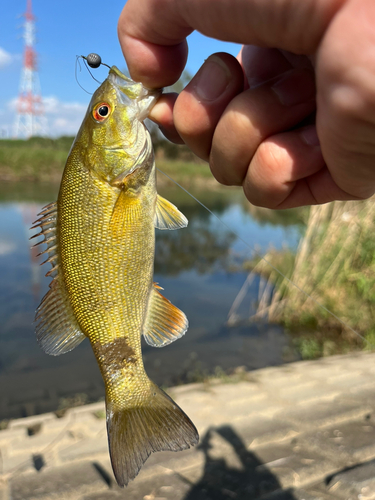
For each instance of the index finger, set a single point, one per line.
(153, 33)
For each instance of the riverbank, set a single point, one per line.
(303, 430)
(43, 159)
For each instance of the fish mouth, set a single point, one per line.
(129, 91)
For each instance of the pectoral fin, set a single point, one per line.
(167, 216)
(165, 323)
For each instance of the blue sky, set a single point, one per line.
(65, 29)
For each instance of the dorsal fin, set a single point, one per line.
(165, 323)
(57, 330)
(167, 216)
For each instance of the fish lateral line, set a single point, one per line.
(256, 252)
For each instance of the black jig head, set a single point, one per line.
(94, 61)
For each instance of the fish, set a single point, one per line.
(100, 237)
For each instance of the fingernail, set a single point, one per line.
(310, 136)
(212, 79)
(295, 87)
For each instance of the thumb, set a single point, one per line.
(153, 33)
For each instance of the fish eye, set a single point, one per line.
(101, 111)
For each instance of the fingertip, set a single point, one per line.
(156, 66)
(162, 115)
(151, 59)
(162, 112)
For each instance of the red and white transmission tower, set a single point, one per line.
(30, 119)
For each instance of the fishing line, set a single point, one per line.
(87, 67)
(75, 73)
(94, 61)
(269, 263)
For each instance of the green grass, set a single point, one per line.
(35, 159)
(335, 265)
(183, 170)
(43, 160)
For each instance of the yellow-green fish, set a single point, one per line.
(100, 241)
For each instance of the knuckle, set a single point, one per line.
(348, 120)
(354, 101)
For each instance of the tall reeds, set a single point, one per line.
(334, 267)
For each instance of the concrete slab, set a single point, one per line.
(352, 442)
(355, 483)
(257, 431)
(31, 421)
(10, 436)
(84, 449)
(281, 434)
(295, 466)
(104, 495)
(321, 414)
(65, 482)
(301, 494)
(37, 443)
(4, 489)
(16, 464)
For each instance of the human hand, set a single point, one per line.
(309, 73)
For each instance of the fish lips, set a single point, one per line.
(130, 93)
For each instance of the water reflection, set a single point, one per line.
(199, 269)
(199, 246)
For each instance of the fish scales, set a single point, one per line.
(100, 241)
(102, 246)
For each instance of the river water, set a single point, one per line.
(200, 269)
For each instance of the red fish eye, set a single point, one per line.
(101, 111)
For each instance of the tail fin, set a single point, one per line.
(157, 424)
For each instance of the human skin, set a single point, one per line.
(292, 118)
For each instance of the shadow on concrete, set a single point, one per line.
(240, 475)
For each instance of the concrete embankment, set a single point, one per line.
(301, 431)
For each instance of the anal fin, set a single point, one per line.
(165, 323)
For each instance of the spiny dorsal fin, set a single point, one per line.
(165, 323)
(57, 330)
(167, 216)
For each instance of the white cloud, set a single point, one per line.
(5, 58)
(63, 118)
